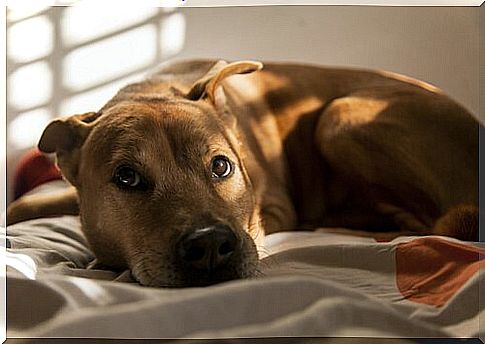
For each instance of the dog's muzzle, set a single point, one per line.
(200, 257)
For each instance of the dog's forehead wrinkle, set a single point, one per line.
(190, 142)
(187, 126)
(148, 92)
(136, 139)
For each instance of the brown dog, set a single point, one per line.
(179, 177)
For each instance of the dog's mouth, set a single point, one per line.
(199, 258)
(174, 276)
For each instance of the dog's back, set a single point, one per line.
(196, 163)
(356, 148)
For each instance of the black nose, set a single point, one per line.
(207, 248)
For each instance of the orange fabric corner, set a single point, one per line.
(432, 270)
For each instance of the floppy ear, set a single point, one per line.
(208, 84)
(65, 137)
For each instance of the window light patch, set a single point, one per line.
(21, 9)
(30, 39)
(91, 65)
(25, 130)
(84, 23)
(172, 34)
(95, 99)
(30, 86)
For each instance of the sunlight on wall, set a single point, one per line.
(81, 23)
(91, 65)
(25, 130)
(172, 33)
(31, 46)
(30, 8)
(96, 51)
(93, 100)
(30, 86)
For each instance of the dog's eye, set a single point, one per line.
(221, 167)
(126, 177)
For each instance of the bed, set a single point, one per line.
(312, 284)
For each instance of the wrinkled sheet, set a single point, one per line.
(313, 284)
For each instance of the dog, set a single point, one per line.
(179, 177)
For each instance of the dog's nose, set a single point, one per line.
(207, 248)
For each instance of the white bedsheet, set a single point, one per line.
(314, 284)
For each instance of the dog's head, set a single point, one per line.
(162, 182)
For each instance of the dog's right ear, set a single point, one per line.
(65, 137)
(207, 85)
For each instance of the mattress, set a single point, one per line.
(312, 284)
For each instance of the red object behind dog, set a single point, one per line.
(33, 170)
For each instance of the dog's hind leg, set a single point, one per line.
(380, 157)
(410, 156)
(461, 222)
(405, 220)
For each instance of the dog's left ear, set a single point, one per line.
(207, 86)
(65, 137)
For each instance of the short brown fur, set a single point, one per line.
(312, 147)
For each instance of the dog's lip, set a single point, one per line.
(188, 282)
(198, 284)
(185, 277)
